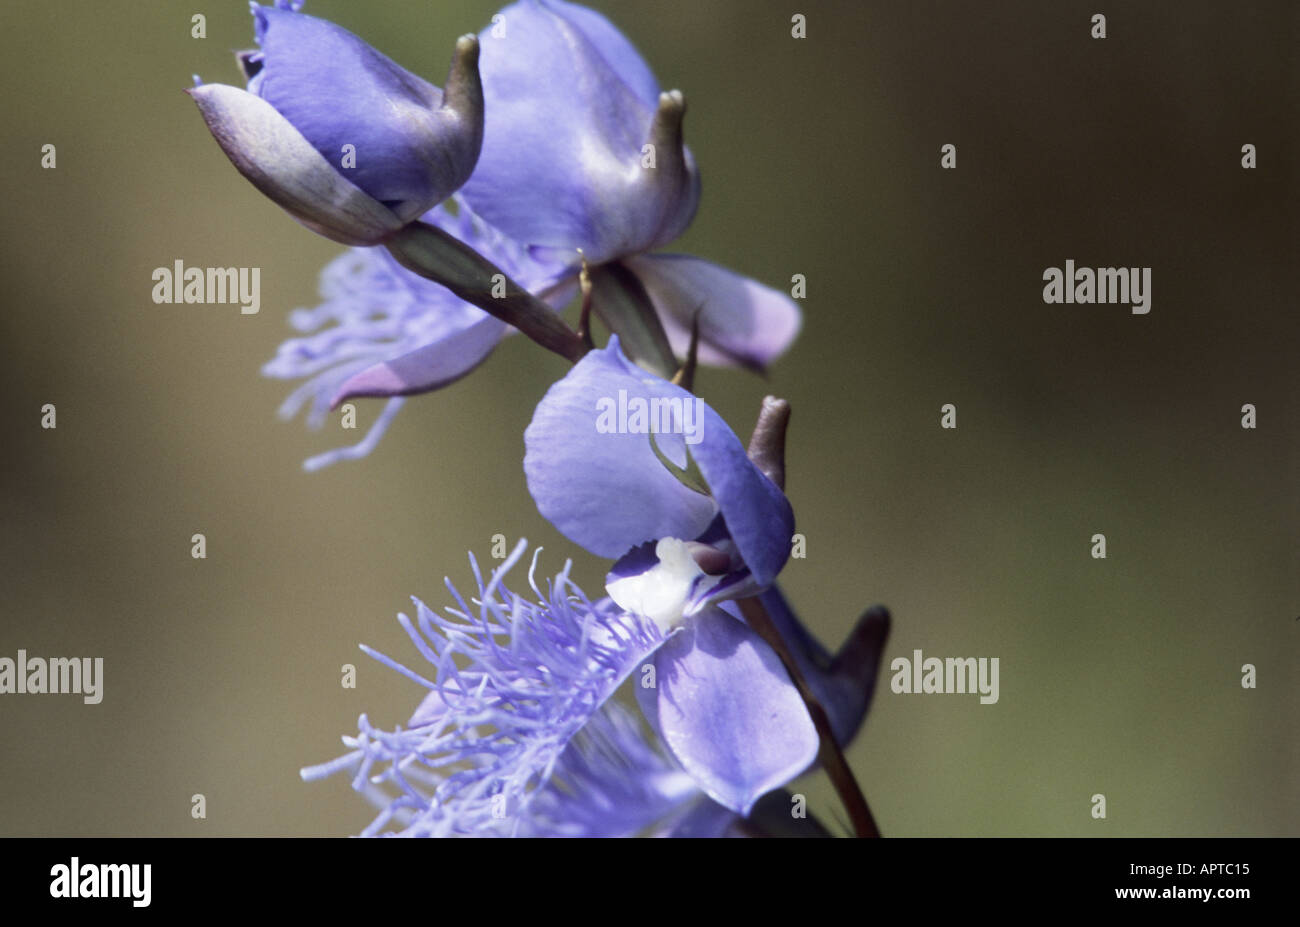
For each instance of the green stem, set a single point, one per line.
(435, 255)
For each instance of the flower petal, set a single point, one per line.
(607, 491)
(594, 472)
(274, 156)
(742, 322)
(409, 151)
(611, 781)
(656, 580)
(430, 367)
(729, 712)
(569, 106)
(757, 518)
(614, 47)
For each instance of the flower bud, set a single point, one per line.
(346, 140)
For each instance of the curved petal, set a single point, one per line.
(275, 157)
(593, 469)
(337, 90)
(569, 106)
(759, 520)
(742, 322)
(430, 367)
(729, 712)
(601, 484)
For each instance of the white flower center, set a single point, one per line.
(660, 593)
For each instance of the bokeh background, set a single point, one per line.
(819, 157)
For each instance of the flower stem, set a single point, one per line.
(830, 754)
(435, 255)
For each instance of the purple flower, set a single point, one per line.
(512, 680)
(519, 732)
(347, 141)
(628, 465)
(582, 152)
(616, 779)
(383, 331)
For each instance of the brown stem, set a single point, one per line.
(830, 754)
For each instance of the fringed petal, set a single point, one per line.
(511, 679)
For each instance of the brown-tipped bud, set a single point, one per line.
(670, 178)
(666, 129)
(463, 94)
(767, 443)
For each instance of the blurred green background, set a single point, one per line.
(820, 156)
